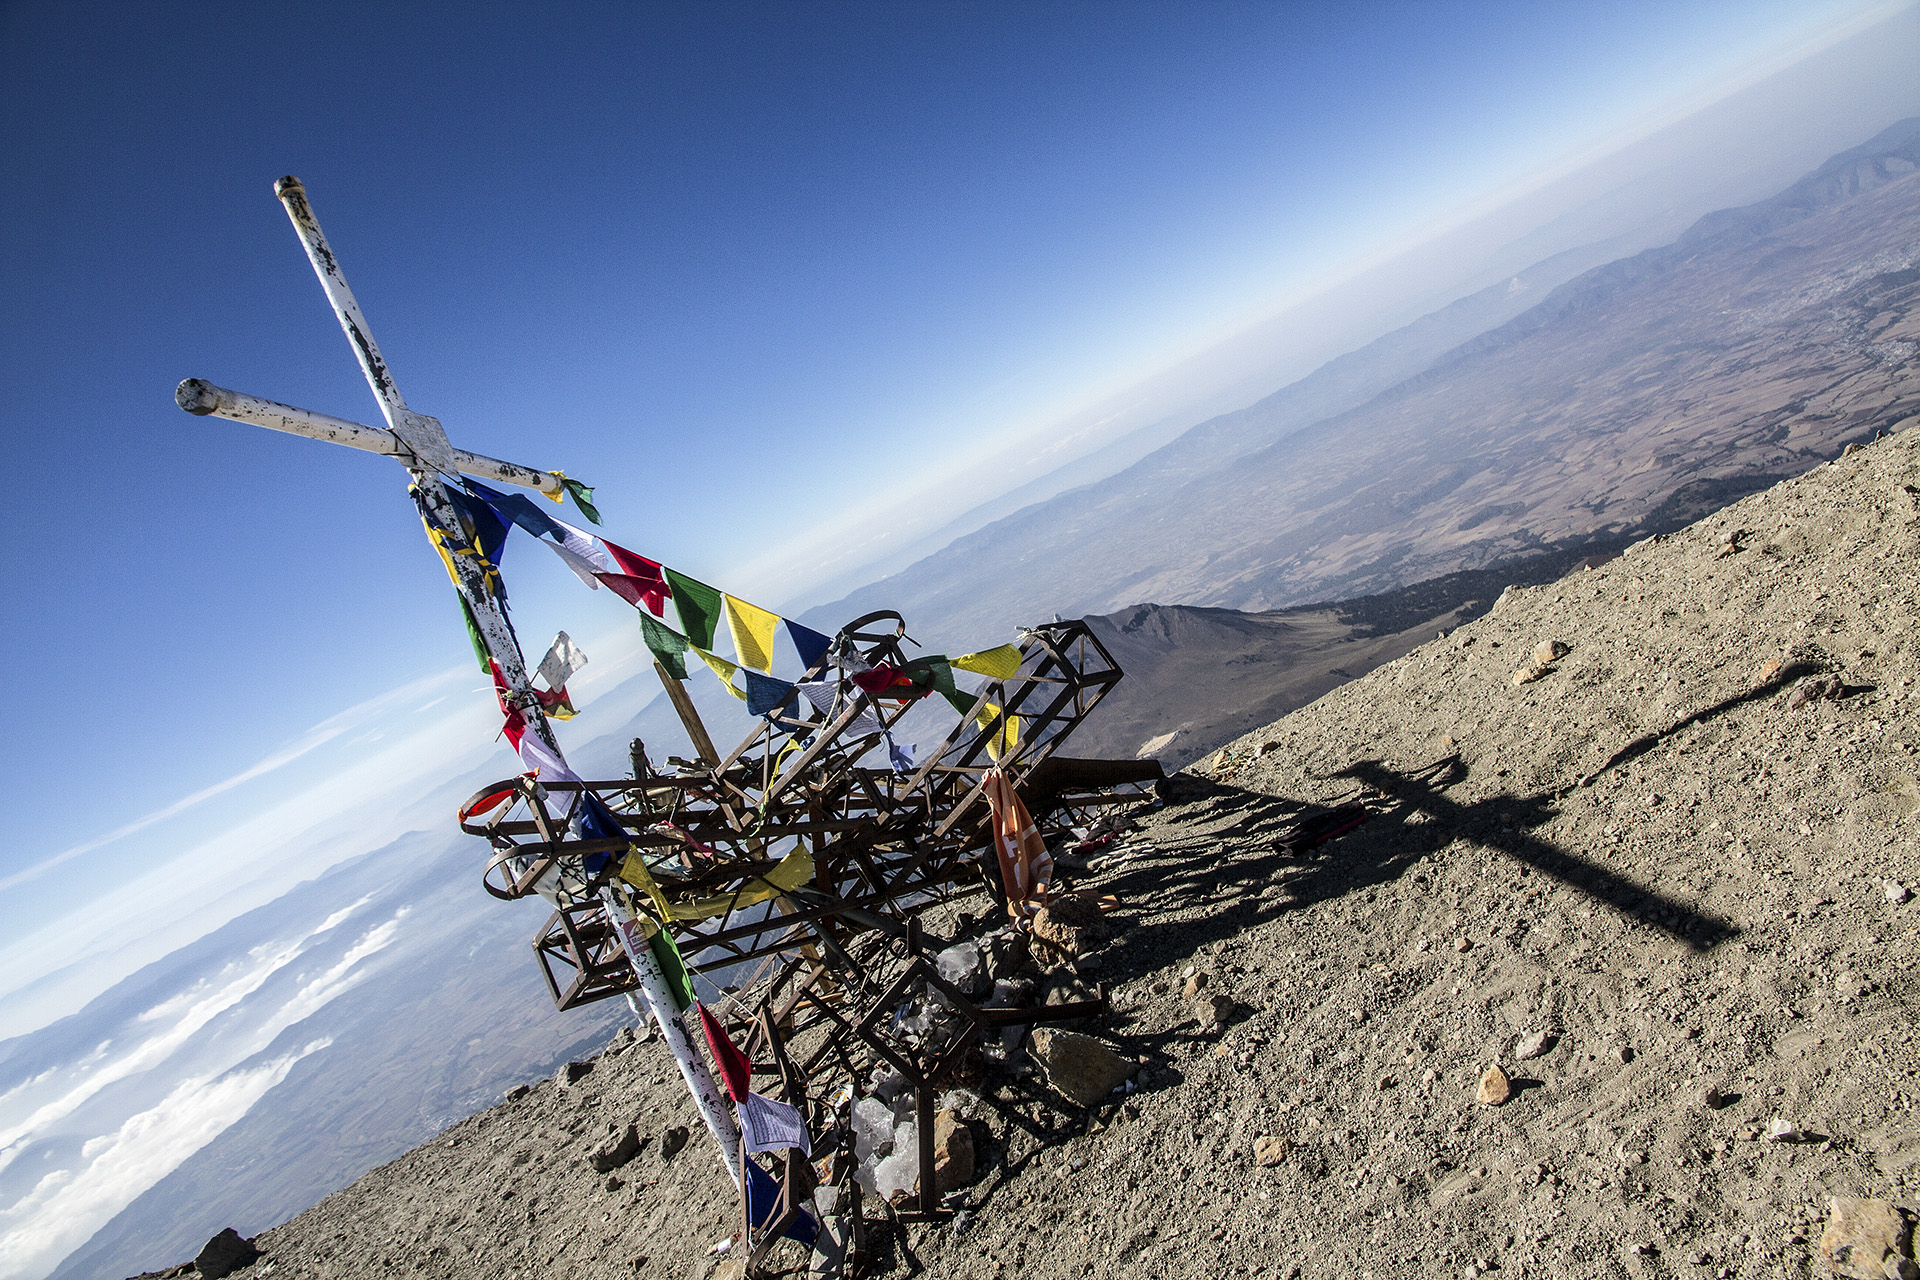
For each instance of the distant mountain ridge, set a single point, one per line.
(1634, 396)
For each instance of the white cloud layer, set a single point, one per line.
(65, 1206)
(69, 1205)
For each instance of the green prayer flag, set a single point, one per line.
(673, 968)
(669, 646)
(473, 634)
(699, 606)
(582, 498)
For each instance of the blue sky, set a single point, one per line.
(776, 278)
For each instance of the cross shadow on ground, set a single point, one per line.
(1412, 814)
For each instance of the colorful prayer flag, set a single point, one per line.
(766, 693)
(876, 679)
(668, 646)
(582, 498)
(808, 643)
(583, 568)
(723, 669)
(474, 637)
(767, 1125)
(516, 508)
(645, 579)
(763, 1201)
(1002, 740)
(672, 968)
(1001, 663)
(562, 660)
(489, 531)
(699, 607)
(753, 630)
(735, 1071)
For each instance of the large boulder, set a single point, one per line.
(225, 1253)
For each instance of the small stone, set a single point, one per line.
(1899, 1268)
(1268, 748)
(1196, 983)
(1079, 1066)
(1770, 668)
(1533, 1046)
(1548, 651)
(1625, 1054)
(1270, 1149)
(1494, 1088)
(570, 1073)
(1386, 1083)
(518, 1092)
(614, 1182)
(1463, 944)
(952, 1151)
(1779, 1130)
(1895, 892)
(672, 1141)
(226, 1252)
(1861, 1236)
(616, 1151)
(1527, 675)
(1712, 1097)
(1215, 1011)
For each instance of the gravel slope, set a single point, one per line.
(1645, 858)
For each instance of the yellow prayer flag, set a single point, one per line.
(1006, 738)
(1000, 663)
(753, 629)
(723, 669)
(634, 871)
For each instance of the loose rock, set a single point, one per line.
(1534, 1045)
(1548, 651)
(672, 1140)
(1862, 1236)
(952, 1151)
(571, 1073)
(1494, 1088)
(1080, 1067)
(616, 1151)
(1270, 1149)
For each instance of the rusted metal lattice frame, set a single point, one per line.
(840, 953)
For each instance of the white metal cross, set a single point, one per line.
(414, 438)
(419, 442)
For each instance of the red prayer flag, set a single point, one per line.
(876, 679)
(642, 577)
(733, 1064)
(516, 726)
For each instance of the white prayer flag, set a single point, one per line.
(767, 1125)
(562, 660)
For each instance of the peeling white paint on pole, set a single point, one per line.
(693, 1067)
(200, 397)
